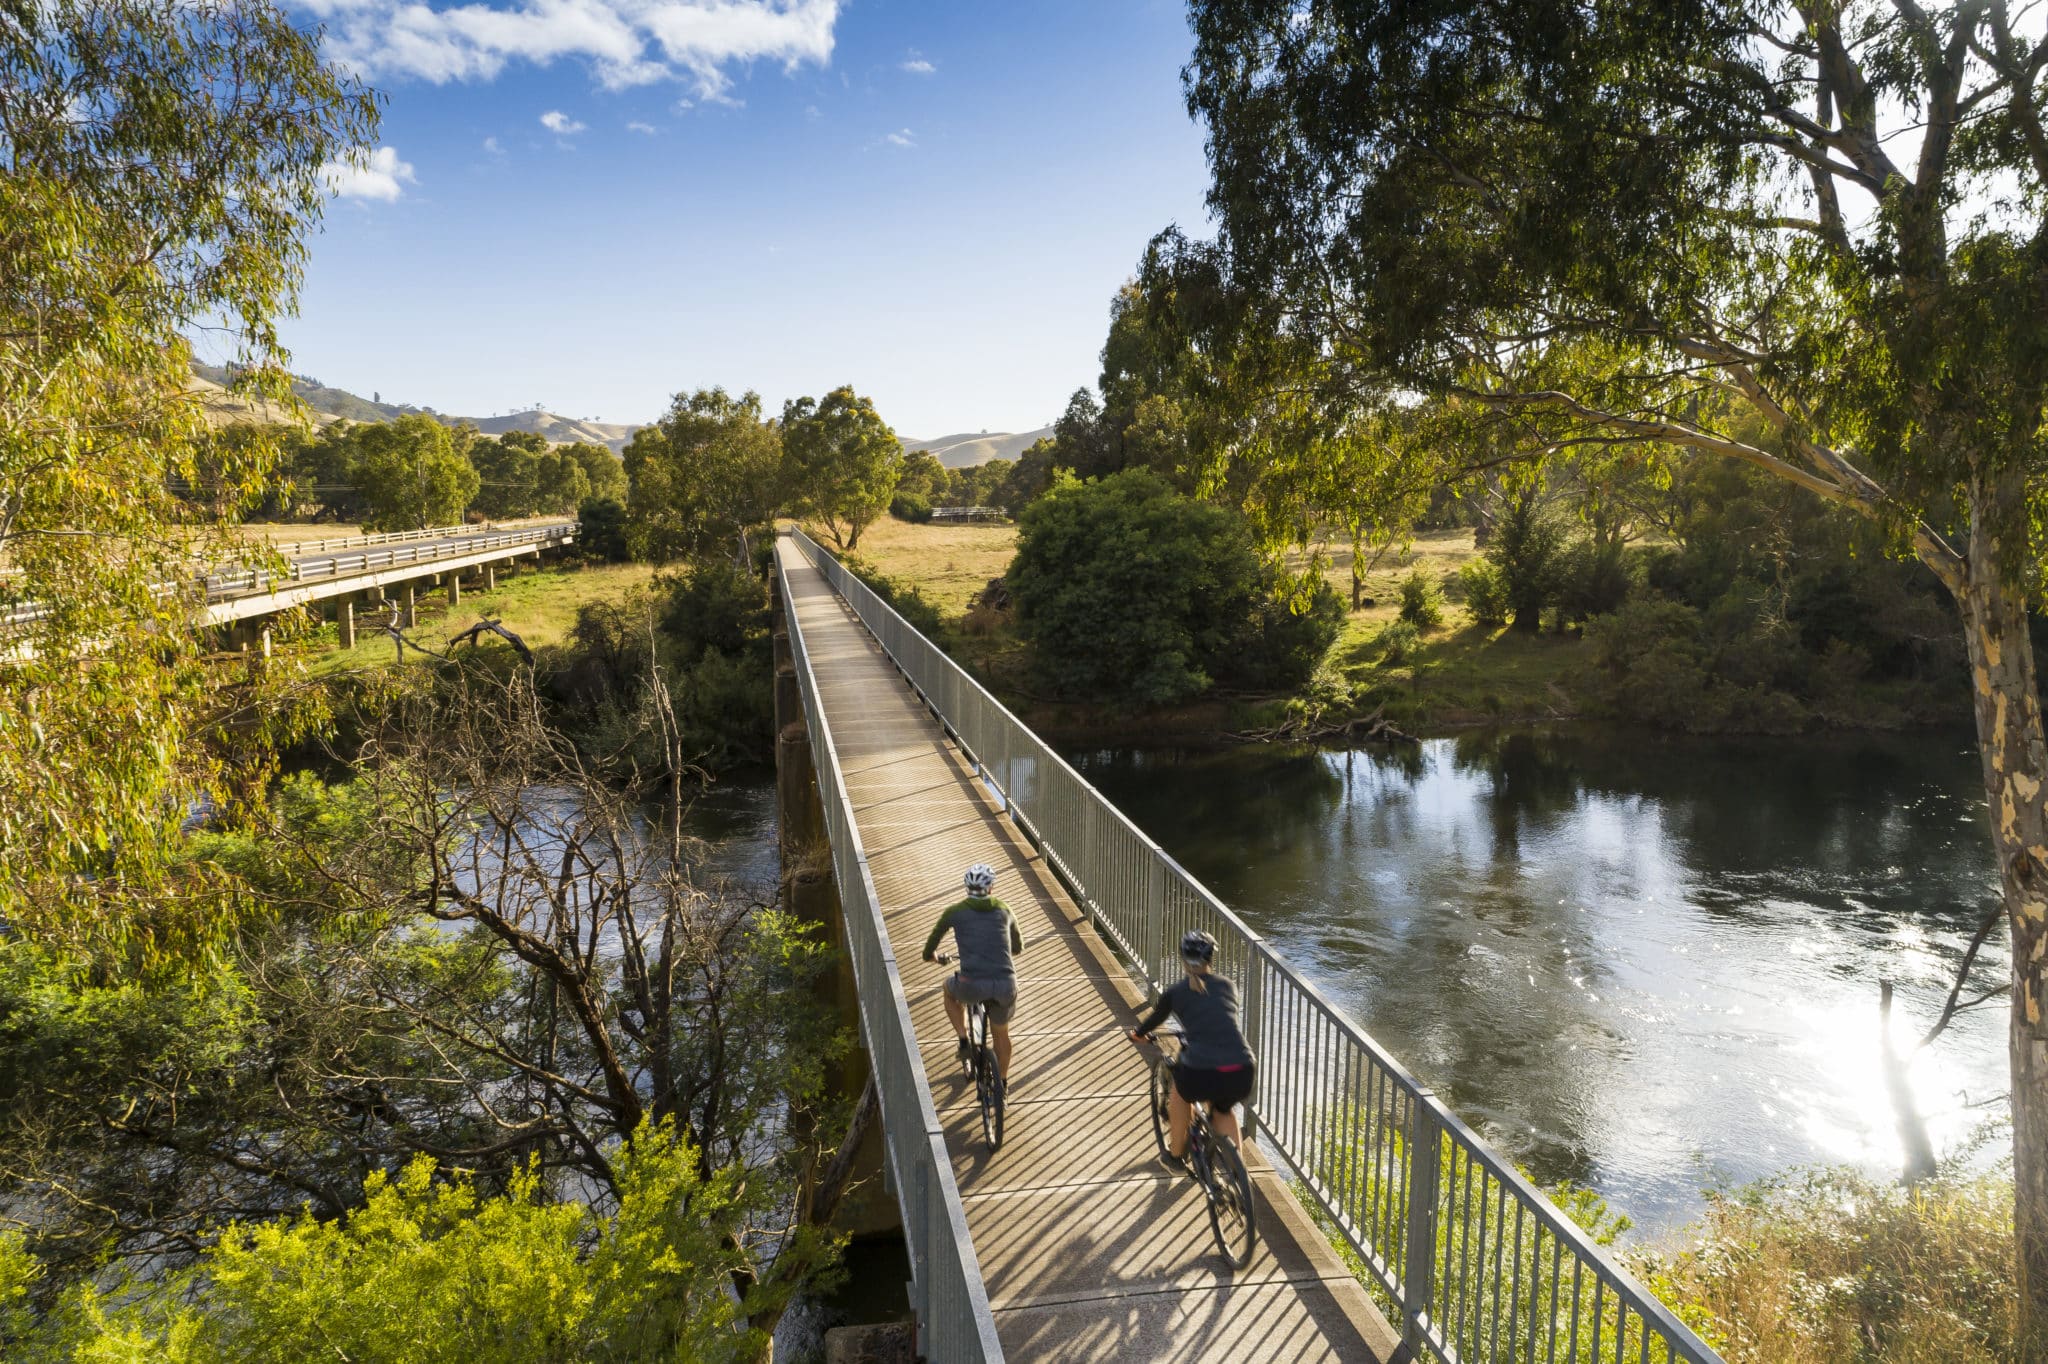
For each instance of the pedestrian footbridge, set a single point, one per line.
(1073, 1242)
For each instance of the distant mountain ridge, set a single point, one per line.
(961, 451)
(968, 449)
(338, 404)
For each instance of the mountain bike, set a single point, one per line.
(980, 1062)
(1211, 1161)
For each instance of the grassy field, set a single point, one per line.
(1461, 674)
(948, 563)
(537, 604)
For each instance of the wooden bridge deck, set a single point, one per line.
(1089, 1247)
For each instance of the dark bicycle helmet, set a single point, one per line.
(1198, 947)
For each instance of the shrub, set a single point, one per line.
(1524, 547)
(1422, 601)
(912, 507)
(1833, 1265)
(601, 529)
(1128, 591)
(1592, 579)
(1399, 642)
(1486, 593)
(1286, 639)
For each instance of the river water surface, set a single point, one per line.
(1645, 964)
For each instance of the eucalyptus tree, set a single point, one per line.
(1609, 221)
(161, 162)
(411, 474)
(704, 479)
(840, 461)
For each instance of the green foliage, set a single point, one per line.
(429, 1268)
(1128, 591)
(163, 165)
(410, 475)
(601, 530)
(520, 475)
(706, 628)
(1422, 601)
(911, 507)
(1833, 1266)
(1525, 549)
(840, 461)
(1486, 593)
(1398, 641)
(705, 479)
(923, 476)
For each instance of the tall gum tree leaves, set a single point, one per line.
(160, 164)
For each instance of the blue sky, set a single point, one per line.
(590, 204)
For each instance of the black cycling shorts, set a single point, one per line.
(1224, 1088)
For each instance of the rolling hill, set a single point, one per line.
(968, 449)
(338, 404)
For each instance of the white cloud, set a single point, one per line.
(636, 126)
(492, 146)
(916, 64)
(902, 138)
(560, 124)
(368, 174)
(625, 42)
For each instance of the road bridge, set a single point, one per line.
(1072, 1242)
(341, 568)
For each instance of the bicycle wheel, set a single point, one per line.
(988, 1083)
(1162, 1086)
(1231, 1215)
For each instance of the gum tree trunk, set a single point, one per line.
(2015, 757)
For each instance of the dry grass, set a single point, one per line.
(284, 534)
(1833, 1267)
(948, 563)
(538, 605)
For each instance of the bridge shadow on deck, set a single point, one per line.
(1090, 1248)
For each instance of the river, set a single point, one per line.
(1647, 965)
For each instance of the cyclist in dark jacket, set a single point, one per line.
(985, 937)
(1215, 1066)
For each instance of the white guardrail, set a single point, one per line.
(429, 547)
(1480, 1264)
(947, 1292)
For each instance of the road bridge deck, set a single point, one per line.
(1090, 1249)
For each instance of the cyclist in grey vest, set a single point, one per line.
(985, 938)
(1216, 1065)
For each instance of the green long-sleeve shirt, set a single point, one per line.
(984, 934)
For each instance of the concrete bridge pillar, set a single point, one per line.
(490, 572)
(345, 621)
(407, 612)
(455, 589)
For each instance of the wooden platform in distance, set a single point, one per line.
(1090, 1247)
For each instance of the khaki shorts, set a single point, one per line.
(999, 995)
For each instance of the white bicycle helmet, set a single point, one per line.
(980, 880)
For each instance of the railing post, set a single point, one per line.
(1254, 998)
(1418, 1274)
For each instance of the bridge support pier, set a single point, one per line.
(490, 572)
(345, 622)
(455, 588)
(407, 608)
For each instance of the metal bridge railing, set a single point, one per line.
(948, 1295)
(1478, 1262)
(216, 587)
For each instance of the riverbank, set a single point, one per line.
(1429, 680)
